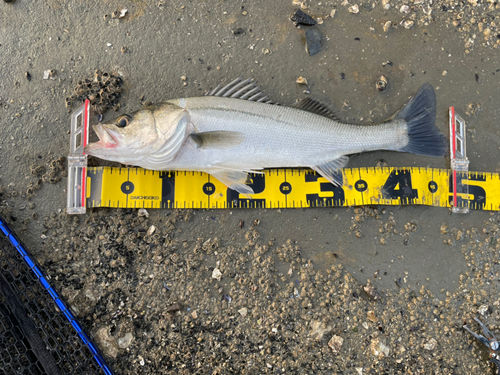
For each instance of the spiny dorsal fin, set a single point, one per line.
(313, 106)
(241, 89)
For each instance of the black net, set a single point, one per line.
(35, 336)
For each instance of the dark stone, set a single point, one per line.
(313, 41)
(300, 18)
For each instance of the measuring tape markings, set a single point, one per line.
(292, 188)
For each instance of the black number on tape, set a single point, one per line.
(319, 200)
(167, 189)
(361, 185)
(209, 188)
(398, 186)
(433, 187)
(285, 188)
(479, 194)
(127, 187)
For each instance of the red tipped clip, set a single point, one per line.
(77, 160)
(459, 163)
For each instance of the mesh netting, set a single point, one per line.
(38, 334)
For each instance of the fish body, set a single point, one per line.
(230, 136)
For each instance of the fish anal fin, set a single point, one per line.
(234, 180)
(221, 139)
(330, 170)
(311, 105)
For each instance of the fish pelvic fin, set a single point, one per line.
(234, 180)
(331, 170)
(419, 113)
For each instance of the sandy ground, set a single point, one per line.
(298, 291)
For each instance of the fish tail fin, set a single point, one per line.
(419, 113)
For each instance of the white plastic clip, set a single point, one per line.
(459, 163)
(77, 160)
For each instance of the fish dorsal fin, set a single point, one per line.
(310, 105)
(245, 89)
(330, 170)
(221, 139)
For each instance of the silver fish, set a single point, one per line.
(235, 130)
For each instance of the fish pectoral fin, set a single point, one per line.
(221, 139)
(310, 105)
(234, 180)
(331, 170)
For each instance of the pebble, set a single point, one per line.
(125, 341)
(106, 342)
(431, 344)
(379, 349)
(143, 212)
(313, 41)
(404, 9)
(336, 343)
(371, 290)
(407, 24)
(239, 31)
(382, 84)
(354, 9)
(301, 18)
(319, 329)
(216, 274)
(301, 81)
(174, 308)
(371, 316)
(482, 309)
(387, 26)
(243, 311)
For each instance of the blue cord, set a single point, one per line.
(60, 304)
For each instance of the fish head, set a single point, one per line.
(130, 138)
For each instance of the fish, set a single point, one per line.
(236, 129)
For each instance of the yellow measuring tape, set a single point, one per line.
(293, 188)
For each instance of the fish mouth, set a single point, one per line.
(108, 139)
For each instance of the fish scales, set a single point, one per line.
(278, 136)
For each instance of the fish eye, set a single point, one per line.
(123, 121)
